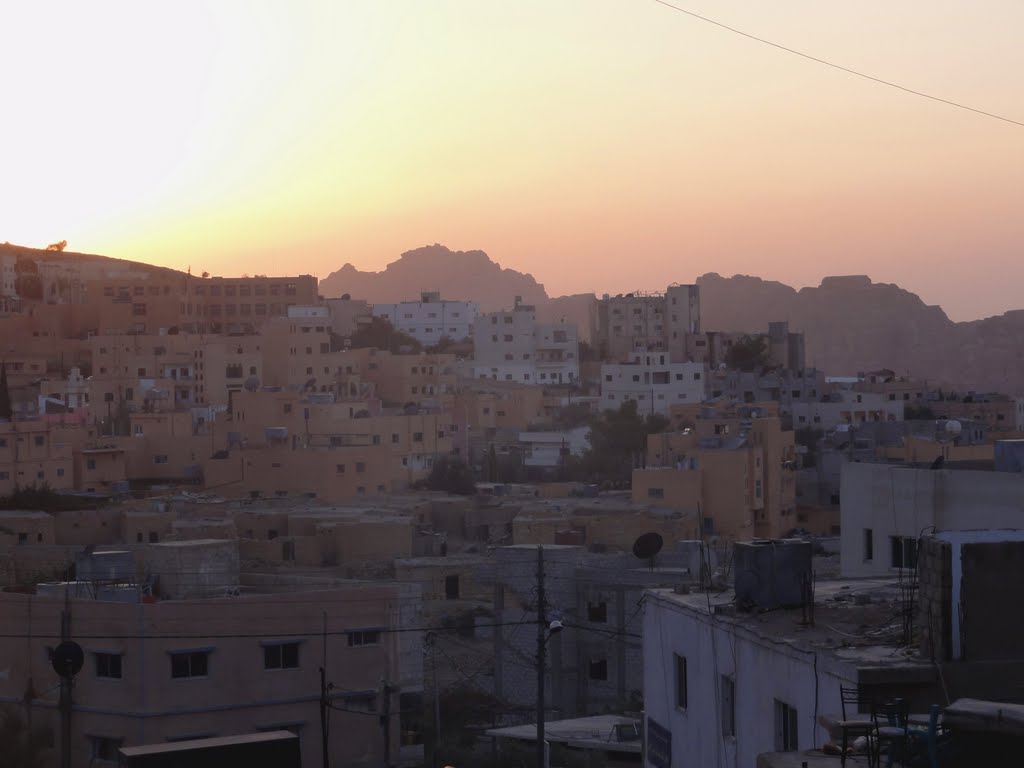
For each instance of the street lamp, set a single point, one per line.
(544, 632)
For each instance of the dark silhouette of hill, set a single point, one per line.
(42, 255)
(852, 324)
(457, 275)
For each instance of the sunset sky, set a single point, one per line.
(601, 145)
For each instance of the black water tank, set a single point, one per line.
(769, 573)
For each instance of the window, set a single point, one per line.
(785, 727)
(728, 703)
(108, 665)
(281, 656)
(680, 665)
(869, 545)
(39, 440)
(417, 437)
(904, 552)
(598, 669)
(90, 463)
(190, 664)
(656, 493)
(597, 612)
(160, 458)
(451, 587)
(360, 466)
(364, 637)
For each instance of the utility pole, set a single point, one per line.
(541, 640)
(323, 699)
(323, 717)
(65, 688)
(435, 757)
(386, 721)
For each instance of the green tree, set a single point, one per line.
(573, 415)
(452, 475)
(748, 353)
(923, 412)
(22, 746)
(618, 444)
(379, 333)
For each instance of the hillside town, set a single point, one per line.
(427, 533)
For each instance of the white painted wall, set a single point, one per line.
(653, 382)
(903, 501)
(854, 408)
(762, 670)
(513, 346)
(430, 321)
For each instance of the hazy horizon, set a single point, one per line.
(600, 146)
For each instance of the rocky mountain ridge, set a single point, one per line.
(851, 324)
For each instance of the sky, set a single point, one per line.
(600, 145)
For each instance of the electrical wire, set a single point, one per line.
(255, 635)
(841, 68)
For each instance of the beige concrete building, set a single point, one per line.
(657, 322)
(206, 666)
(38, 452)
(736, 467)
(607, 524)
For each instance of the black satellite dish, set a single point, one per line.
(647, 546)
(67, 659)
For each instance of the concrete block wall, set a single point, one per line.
(935, 587)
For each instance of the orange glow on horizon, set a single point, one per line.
(600, 145)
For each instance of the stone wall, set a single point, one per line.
(935, 589)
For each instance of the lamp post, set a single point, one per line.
(544, 632)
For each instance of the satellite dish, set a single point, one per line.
(67, 659)
(954, 427)
(252, 384)
(647, 546)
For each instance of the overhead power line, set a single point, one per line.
(840, 67)
(244, 635)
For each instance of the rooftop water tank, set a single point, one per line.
(116, 565)
(770, 572)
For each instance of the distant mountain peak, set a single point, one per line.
(458, 275)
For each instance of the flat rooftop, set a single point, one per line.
(858, 620)
(595, 732)
(809, 758)
(21, 514)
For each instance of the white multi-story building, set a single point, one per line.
(845, 406)
(513, 346)
(431, 319)
(886, 508)
(722, 687)
(652, 381)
